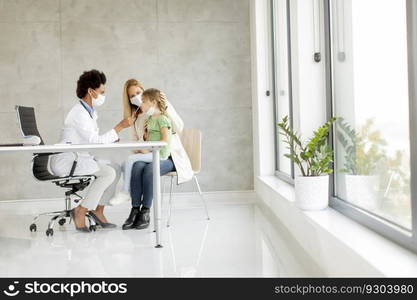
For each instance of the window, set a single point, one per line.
(282, 81)
(369, 69)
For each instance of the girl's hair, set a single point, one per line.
(128, 107)
(155, 95)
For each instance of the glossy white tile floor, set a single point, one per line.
(238, 241)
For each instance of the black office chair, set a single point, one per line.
(40, 169)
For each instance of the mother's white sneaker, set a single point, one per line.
(120, 198)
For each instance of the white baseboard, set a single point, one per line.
(185, 199)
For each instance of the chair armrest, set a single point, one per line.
(46, 154)
(66, 179)
(74, 165)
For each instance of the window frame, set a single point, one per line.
(289, 178)
(390, 230)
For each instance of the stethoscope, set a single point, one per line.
(84, 106)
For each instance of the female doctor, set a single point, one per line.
(80, 127)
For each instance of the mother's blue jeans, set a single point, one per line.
(141, 183)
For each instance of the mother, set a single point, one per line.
(141, 188)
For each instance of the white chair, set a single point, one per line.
(191, 140)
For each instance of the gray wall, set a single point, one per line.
(197, 51)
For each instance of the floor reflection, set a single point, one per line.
(240, 240)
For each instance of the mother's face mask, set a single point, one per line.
(137, 100)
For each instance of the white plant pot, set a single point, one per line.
(312, 193)
(362, 190)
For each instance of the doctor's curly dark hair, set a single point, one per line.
(89, 80)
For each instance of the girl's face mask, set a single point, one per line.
(150, 111)
(147, 106)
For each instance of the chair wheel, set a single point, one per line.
(93, 227)
(49, 232)
(32, 228)
(62, 222)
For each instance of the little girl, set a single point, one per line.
(158, 128)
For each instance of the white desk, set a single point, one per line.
(154, 146)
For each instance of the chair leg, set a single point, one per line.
(49, 214)
(52, 221)
(202, 197)
(170, 201)
(67, 202)
(59, 216)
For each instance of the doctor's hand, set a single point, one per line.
(125, 123)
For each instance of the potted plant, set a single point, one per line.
(314, 160)
(364, 156)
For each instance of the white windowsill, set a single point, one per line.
(383, 256)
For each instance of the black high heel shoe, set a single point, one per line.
(81, 229)
(101, 223)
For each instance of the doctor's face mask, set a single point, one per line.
(98, 100)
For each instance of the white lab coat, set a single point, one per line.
(80, 128)
(179, 155)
